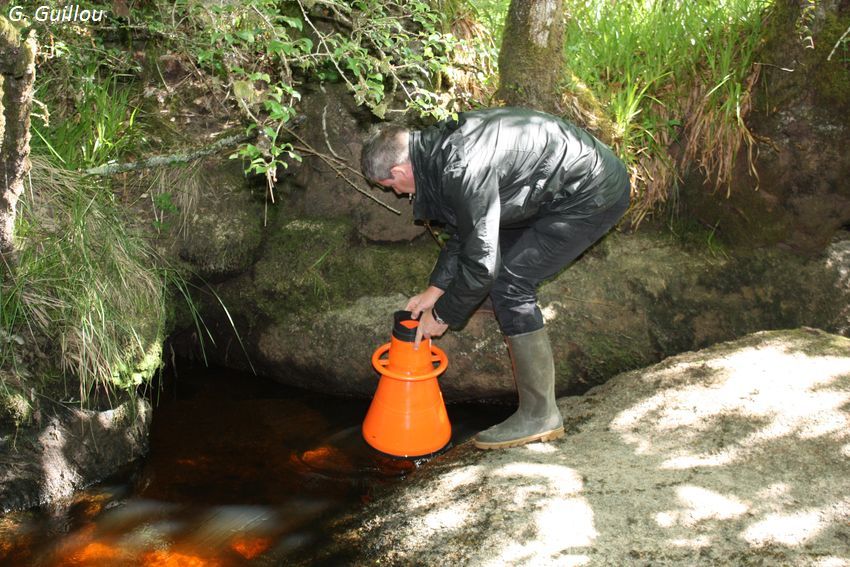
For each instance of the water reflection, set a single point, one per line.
(240, 470)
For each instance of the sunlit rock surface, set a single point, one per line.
(738, 454)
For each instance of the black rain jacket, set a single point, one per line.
(502, 168)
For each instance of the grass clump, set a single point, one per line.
(669, 73)
(83, 309)
(87, 305)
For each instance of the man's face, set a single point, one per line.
(401, 182)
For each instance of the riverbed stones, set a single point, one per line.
(734, 455)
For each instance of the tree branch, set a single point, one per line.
(837, 43)
(166, 160)
(17, 76)
(337, 166)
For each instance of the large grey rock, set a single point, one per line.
(735, 455)
(318, 303)
(70, 451)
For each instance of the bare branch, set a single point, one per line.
(837, 43)
(167, 160)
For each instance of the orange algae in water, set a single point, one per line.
(175, 559)
(95, 553)
(249, 548)
(326, 458)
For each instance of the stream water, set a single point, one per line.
(241, 471)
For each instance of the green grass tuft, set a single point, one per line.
(88, 302)
(669, 72)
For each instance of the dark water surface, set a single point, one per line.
(240, 472)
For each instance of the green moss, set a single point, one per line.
(596, 356)
(797, 31)
(832, 80)
(708, 222)
(313, 265)
(817, 343)
(140, 366)
(15, 409)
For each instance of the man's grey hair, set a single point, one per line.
(385, 146)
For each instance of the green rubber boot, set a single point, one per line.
(538, 417)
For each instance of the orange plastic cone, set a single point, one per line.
(407, 417)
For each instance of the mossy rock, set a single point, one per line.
(630, 301)
(221, 231)
(743, 294)
(310, 266)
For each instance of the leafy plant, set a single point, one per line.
(392, 56)
(103, 127)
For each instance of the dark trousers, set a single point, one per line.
(538, 252)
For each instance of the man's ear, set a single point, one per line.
(396, 172)
(401, 171)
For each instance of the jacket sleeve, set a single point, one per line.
(446, 267)
(473, 195)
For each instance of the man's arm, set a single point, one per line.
(474, 195)
(446, 267)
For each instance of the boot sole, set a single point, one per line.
(545, 436)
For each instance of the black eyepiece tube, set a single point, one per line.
(402, 332)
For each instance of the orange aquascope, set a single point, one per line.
(407, 417)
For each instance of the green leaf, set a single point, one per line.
(380, 110)
(277, 47)
(274, 106)
(305, 44)
(246, 35)
(260, 77)
(293, 22)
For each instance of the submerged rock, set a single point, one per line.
(737, 454)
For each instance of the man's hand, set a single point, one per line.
(428, 328)
(423, 301)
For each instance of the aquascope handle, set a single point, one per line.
(408, 364)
